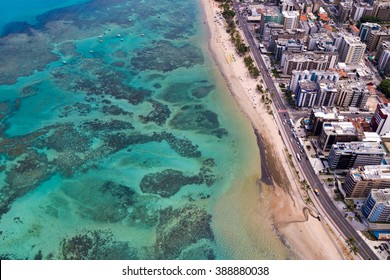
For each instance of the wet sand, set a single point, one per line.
(277, 196)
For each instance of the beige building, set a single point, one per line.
(360, 181)
(382, 10)
(351, 49)
(333, 132)
(352, 94)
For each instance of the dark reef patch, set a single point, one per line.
(159, 115)
(202, 91)
(119, 141)
(17, 51)
(195, 118)
(81, 109)
(152, 77)
(67, 138)
(112, 125)
(164, 56)
(112, 84)
(102, 202)
(176, 93)
(167, 182)
(200, 252)
(220, 132)
(96, 245)
(31, 89)
(120, 54)
(67, 49)
(24, 175)
(115, 110)
(179, 228)
(110, 202)
(118, 64)
(183, 147)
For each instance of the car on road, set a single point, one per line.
(317, 192)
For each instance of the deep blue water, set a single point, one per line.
(27, 10)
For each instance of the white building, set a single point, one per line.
(313, 75)
(290, 19)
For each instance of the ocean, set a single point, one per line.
(120, 140)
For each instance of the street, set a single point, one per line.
(282, 115)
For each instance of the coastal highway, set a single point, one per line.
(281, 112)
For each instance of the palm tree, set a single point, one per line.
(352, 245)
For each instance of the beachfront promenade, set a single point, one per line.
(281, 114)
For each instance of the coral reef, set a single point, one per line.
(179, 228)
(167, 182)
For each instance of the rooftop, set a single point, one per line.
(305, 56)
(352, 40)
(371, 172)
(359, 147)
(327, 85)
(371, 137)
(307, 85)
(385, 108)
(327, 114)
(290, 14)
(340, 128)
(382, 195)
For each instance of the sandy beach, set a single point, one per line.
(307, 238)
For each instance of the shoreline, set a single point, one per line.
(307, 239)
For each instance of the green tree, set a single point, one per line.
(384, 87)
(369, 19)
(254, 72)
(352, 245)
(248, 61)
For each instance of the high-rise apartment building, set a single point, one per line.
(333, 132)
(360, 9)
(380, 121)
(355, 154)
(319, 116)
(309, 60)
(360, 181)
(312, 75)
(306, 95)
(327, 92)
(290, 19)
(375, 36)
(352, 94)
(377, 206)
(382, 9)
(365, 29)
(345, 10)
(351, 50)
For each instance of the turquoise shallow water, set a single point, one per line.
(118, 137)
